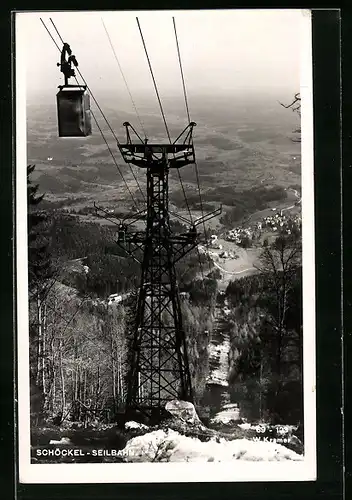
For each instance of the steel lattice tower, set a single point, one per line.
(159, 362)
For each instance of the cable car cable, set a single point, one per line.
(189, 119)
(51, 36)
(162, 112)
(89, 89)
(113, 157)
(108, 124)
(102, 113)
(181, 69)
(124, 79)
(57, 31)
(154, 82)
(85, 83)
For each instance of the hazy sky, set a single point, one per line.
(222, 51)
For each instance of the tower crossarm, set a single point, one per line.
(208, 216)
(144, 154)
(127, 221)
(134, 243)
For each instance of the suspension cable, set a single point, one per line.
(114, 159)
(184, 195)
(51, 36)
(189, 119)
(181, 69)
(154, 82)
(138, 116)
(57, 31)
(113, 133)
(113, 156)
(90, 91)
(124, 79)
(103, 115)
(162, 113)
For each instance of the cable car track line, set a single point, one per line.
(101, 111)
(108, 124)
(114, 159)
(162, 111)
(181, 69)
(189, 119)
(154, 82)
(57, 31)
(51, 36)
(124, 79)
(103, 115)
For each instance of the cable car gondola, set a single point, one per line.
(73, 103)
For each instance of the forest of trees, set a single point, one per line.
(265, 326)
(243, 202)
(244, 205)
(79, 344)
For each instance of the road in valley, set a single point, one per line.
(234, 272)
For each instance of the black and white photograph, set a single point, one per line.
(165, 246)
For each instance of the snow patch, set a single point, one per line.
(219, 353)
(230, 413)
(63, 440)
(134, 425)
(170, 446)
(245, 426)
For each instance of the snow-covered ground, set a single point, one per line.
(229, 413)
(170, 446)
(132, 425)
(218, 352)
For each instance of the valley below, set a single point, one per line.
(248, 164)
(241, 148)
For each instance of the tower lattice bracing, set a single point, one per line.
(159, 362)
(159, 359)
(160, 370)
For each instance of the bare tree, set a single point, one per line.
(295, 106)
(280, 263)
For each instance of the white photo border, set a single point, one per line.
(238, 471)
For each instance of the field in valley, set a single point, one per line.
(239, 147)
